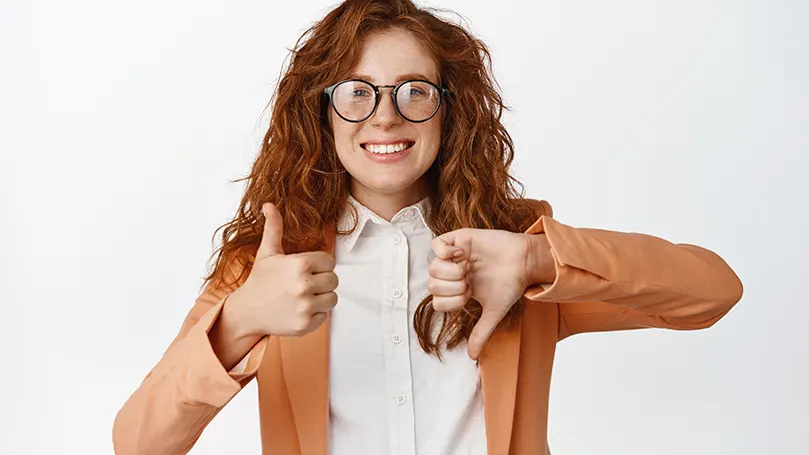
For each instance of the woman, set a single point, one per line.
(385, 165)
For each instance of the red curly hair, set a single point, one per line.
(297, 168)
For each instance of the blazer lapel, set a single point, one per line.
(305, 362)
(499, 363)
(499, 369)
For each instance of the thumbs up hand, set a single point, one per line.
(284, 294)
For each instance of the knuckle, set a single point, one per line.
(442, 304)
(304, 264)
(322, 258)
(300, 325)
(438, 304)
(328, 260)
(460, 268)
(305, 307)
(300, 288)
(431, 286)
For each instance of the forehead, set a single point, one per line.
(387, 56)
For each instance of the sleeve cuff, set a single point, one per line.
(571, 281)
(204, 379)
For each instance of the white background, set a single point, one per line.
(123, 123)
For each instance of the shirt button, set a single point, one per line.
(396, 339)
(397, 293)
(401, 399)
(409, 213)
(397, 239)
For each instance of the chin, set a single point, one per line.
(384, 186)
(389, 187)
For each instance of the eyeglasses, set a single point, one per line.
(355, 100)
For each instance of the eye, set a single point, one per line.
(360, 93)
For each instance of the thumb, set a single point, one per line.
(448, 247)
(273, 232)
(482, 332)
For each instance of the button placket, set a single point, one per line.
(402, 395)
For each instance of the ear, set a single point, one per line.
(326, 112)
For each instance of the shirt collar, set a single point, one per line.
(420, 210)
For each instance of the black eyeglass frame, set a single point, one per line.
(442, 92)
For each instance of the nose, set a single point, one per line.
(385, 115)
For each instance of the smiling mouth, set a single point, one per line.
(387, 149)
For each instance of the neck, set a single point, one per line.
(386, 205)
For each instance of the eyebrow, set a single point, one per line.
(402, 77)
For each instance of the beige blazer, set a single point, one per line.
(606, 281)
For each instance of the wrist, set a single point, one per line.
(540, 266)
(236, 316)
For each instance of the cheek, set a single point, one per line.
(431, 134)
(344, 132)
(345, 135)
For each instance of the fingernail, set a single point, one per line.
(457, 254)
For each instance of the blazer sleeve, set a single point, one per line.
(185, 390)
(607, 280)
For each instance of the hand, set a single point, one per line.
(284, 294)
(491, 266)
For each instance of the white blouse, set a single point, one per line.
(386, 396)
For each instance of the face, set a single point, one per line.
(389, 58)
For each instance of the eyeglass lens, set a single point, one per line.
(355, 100)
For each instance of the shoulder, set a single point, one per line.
(525, 212)
(538, 207)
(541, 207)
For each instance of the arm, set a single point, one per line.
(606, 280)
(190, 384)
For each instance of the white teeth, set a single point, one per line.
(384, 149)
